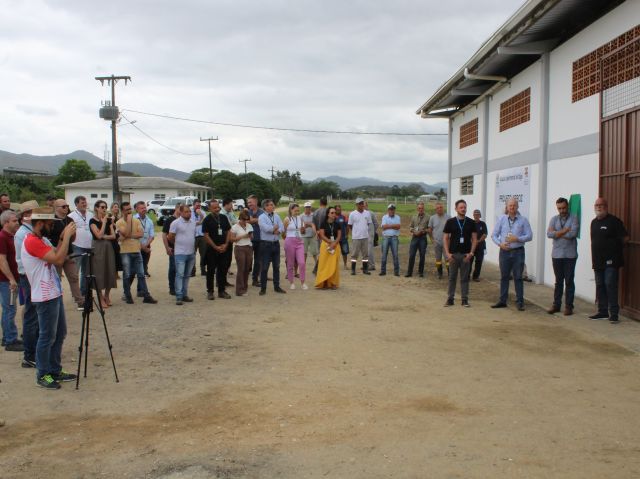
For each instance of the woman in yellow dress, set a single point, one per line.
(330, 233)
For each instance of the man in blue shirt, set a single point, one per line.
(390, 234)
(271, 227)
(563, 229)
(511, 232)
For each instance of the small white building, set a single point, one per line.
(548, 107)
(133, 189)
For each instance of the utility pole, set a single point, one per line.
(272, 170)
(246, 187)
(210, 139)
(113, 115)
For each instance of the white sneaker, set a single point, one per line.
(304, 286)
(293, 286)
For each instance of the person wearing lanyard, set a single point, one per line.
(271, 227)
(201, 244)
(390, 233)
(563, 229)
(148, 235)
(459, 241)
(294, 246)
(511, 232)
(216, 229)
(330, 234)
(83, 240)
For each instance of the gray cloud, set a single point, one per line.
(358, 65)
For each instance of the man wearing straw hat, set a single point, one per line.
(39, 259)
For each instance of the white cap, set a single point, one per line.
(307, 204)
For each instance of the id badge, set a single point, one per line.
(297, 234)
(332, 239)
(461, 240)
(219, 231)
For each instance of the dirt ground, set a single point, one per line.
(374, 380)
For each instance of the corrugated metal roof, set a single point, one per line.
(553, 21)
(137, 183)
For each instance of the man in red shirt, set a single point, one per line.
(9, 281)
(39, 259)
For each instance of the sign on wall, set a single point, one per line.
(513, 183)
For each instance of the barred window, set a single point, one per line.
(159, 196)
(516, 110)
(469, 133)
(466, 185)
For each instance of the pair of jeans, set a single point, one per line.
(9, 328)
(607, 290)
(270, 255)
(132, 266)
(477, 260)
(511, 262)
(171, 275)
(418, 245)
(83, 267)
(29, 320)
(390, 242)
(145, 261)
(201, 248)
(463, 267)
(184, 264)
(217, 267)
(564, 270)
(53, 329)
(257, 260)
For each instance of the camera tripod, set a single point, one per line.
(89, 302)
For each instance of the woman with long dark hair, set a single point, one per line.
(103, 261)
(330, 234)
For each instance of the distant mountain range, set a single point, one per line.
(349, 183)
(51, 164)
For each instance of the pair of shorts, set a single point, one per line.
(360, 248)
(344, 246)
(310, 246)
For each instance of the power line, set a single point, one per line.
(158, 142)
(296, 130)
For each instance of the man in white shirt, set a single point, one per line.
(82, 242)
(359, 221)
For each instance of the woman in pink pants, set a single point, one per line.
(294, 245)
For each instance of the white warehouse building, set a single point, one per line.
(549, 107)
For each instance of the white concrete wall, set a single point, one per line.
(525, 136)
(571, 120)
(134, 196)
(567, 177)
(472, 151)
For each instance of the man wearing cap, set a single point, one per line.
(359, 221)
(435, 230)
(418, 228)
(38, 258)
(83, 240)
(390, 236)
(481, 233)
(9, 281)
(69, 266)
(308, 231)
(373, 229)
(29, 313)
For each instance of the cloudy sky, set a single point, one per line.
(361, 65)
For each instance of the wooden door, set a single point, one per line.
(620, 185)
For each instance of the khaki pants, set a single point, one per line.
(71, 272)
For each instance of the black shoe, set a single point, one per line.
(279, 290)
(28, 363)
(465, 303)
(211, 296)
(172, 292)
(614, 319)
(520, 307)
(203, 273)
(255, 283)
(449, 302)
(382, 273)
(128, 299)
(224, 295)
(421, 275)
(396, 274)
(498, 305)
(64, 377)
(408, 275)
(553, 309)
(477, 280)
(187, 299)
(149, 299)
(597, 316)
(263, 292)
(16, 346)
(47, 382)
(140, 294)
